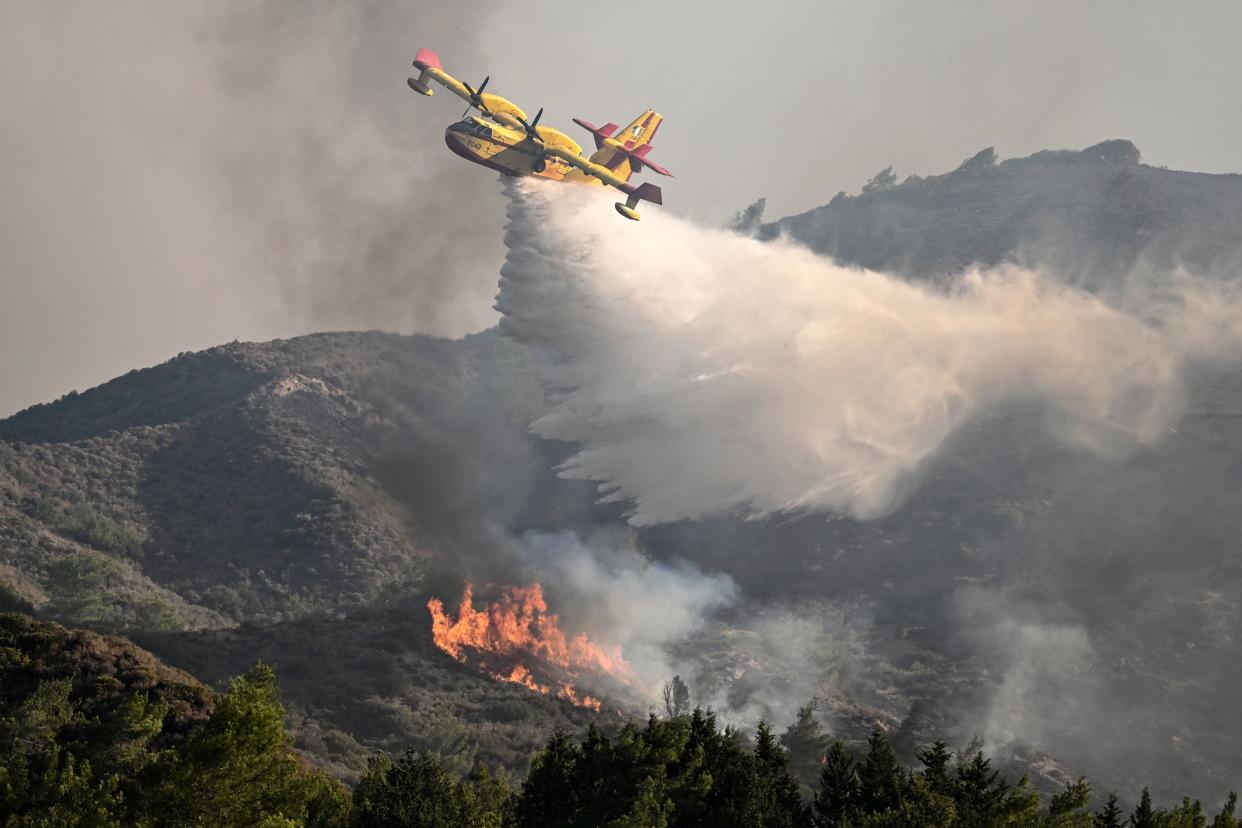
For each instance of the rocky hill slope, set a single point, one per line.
(1089, 215)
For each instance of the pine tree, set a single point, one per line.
(879, 774)
(936, 771)
(1068, 807)
(980, 794)
(782, 801)
(413, 791)
(1109, 816)
(807, 746)
(549, 794)
(839, 790)
(1143, 816)
(766, 749)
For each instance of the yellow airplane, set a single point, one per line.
(504, 140)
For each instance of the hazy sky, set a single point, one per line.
(178, 175)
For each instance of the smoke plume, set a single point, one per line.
(606, 584)
(701, 372)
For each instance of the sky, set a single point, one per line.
(175, 176)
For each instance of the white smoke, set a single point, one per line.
(1046, 686)
(770, 661)
(625, 598)
(701, 372)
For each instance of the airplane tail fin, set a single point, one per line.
(641, 130)
(625, 151)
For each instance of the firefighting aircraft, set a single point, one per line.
(505, 140)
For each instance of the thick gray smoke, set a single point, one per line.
(701, 372)
(340, 172)
(178, 175)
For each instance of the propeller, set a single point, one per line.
(532, 135)
(476, 96)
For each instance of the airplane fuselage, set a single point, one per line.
(501, 148)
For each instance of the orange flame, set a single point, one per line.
(519, 624)
(521, 675)
(568, 693)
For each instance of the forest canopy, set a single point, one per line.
(96, 732)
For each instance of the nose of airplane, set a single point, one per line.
(454, 136)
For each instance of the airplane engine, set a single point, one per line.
(506, 119)
(496, 105)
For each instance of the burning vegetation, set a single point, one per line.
(516, 629)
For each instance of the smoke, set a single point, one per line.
(767, 661)
(341, 171)
(700, 372)
(178, 175)
(744, 661)
(1046, 687)
(605, 584)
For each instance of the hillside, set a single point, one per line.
(299, 501)
(101, 671)
(96, 731)
(290, 482)
(1090, 215)
(374, 681)
(257, 482)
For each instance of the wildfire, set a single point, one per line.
(521, 675)
(517, 625)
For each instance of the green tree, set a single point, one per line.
(416, 792)
(64, 793)
(240, 769)
(807, 745)
(880, 776)
(936, 771)
(1226, 818)
(1188, 814)
(1068, 809)
(549, 794)
(724, 789)
(783, 805)
(839, 789)
(488, 797)
(1144, 816)
(920, 806)
(1110, 815)
(980, 793)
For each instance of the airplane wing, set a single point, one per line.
(428, 65)
(602, 173)
(643, 192)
